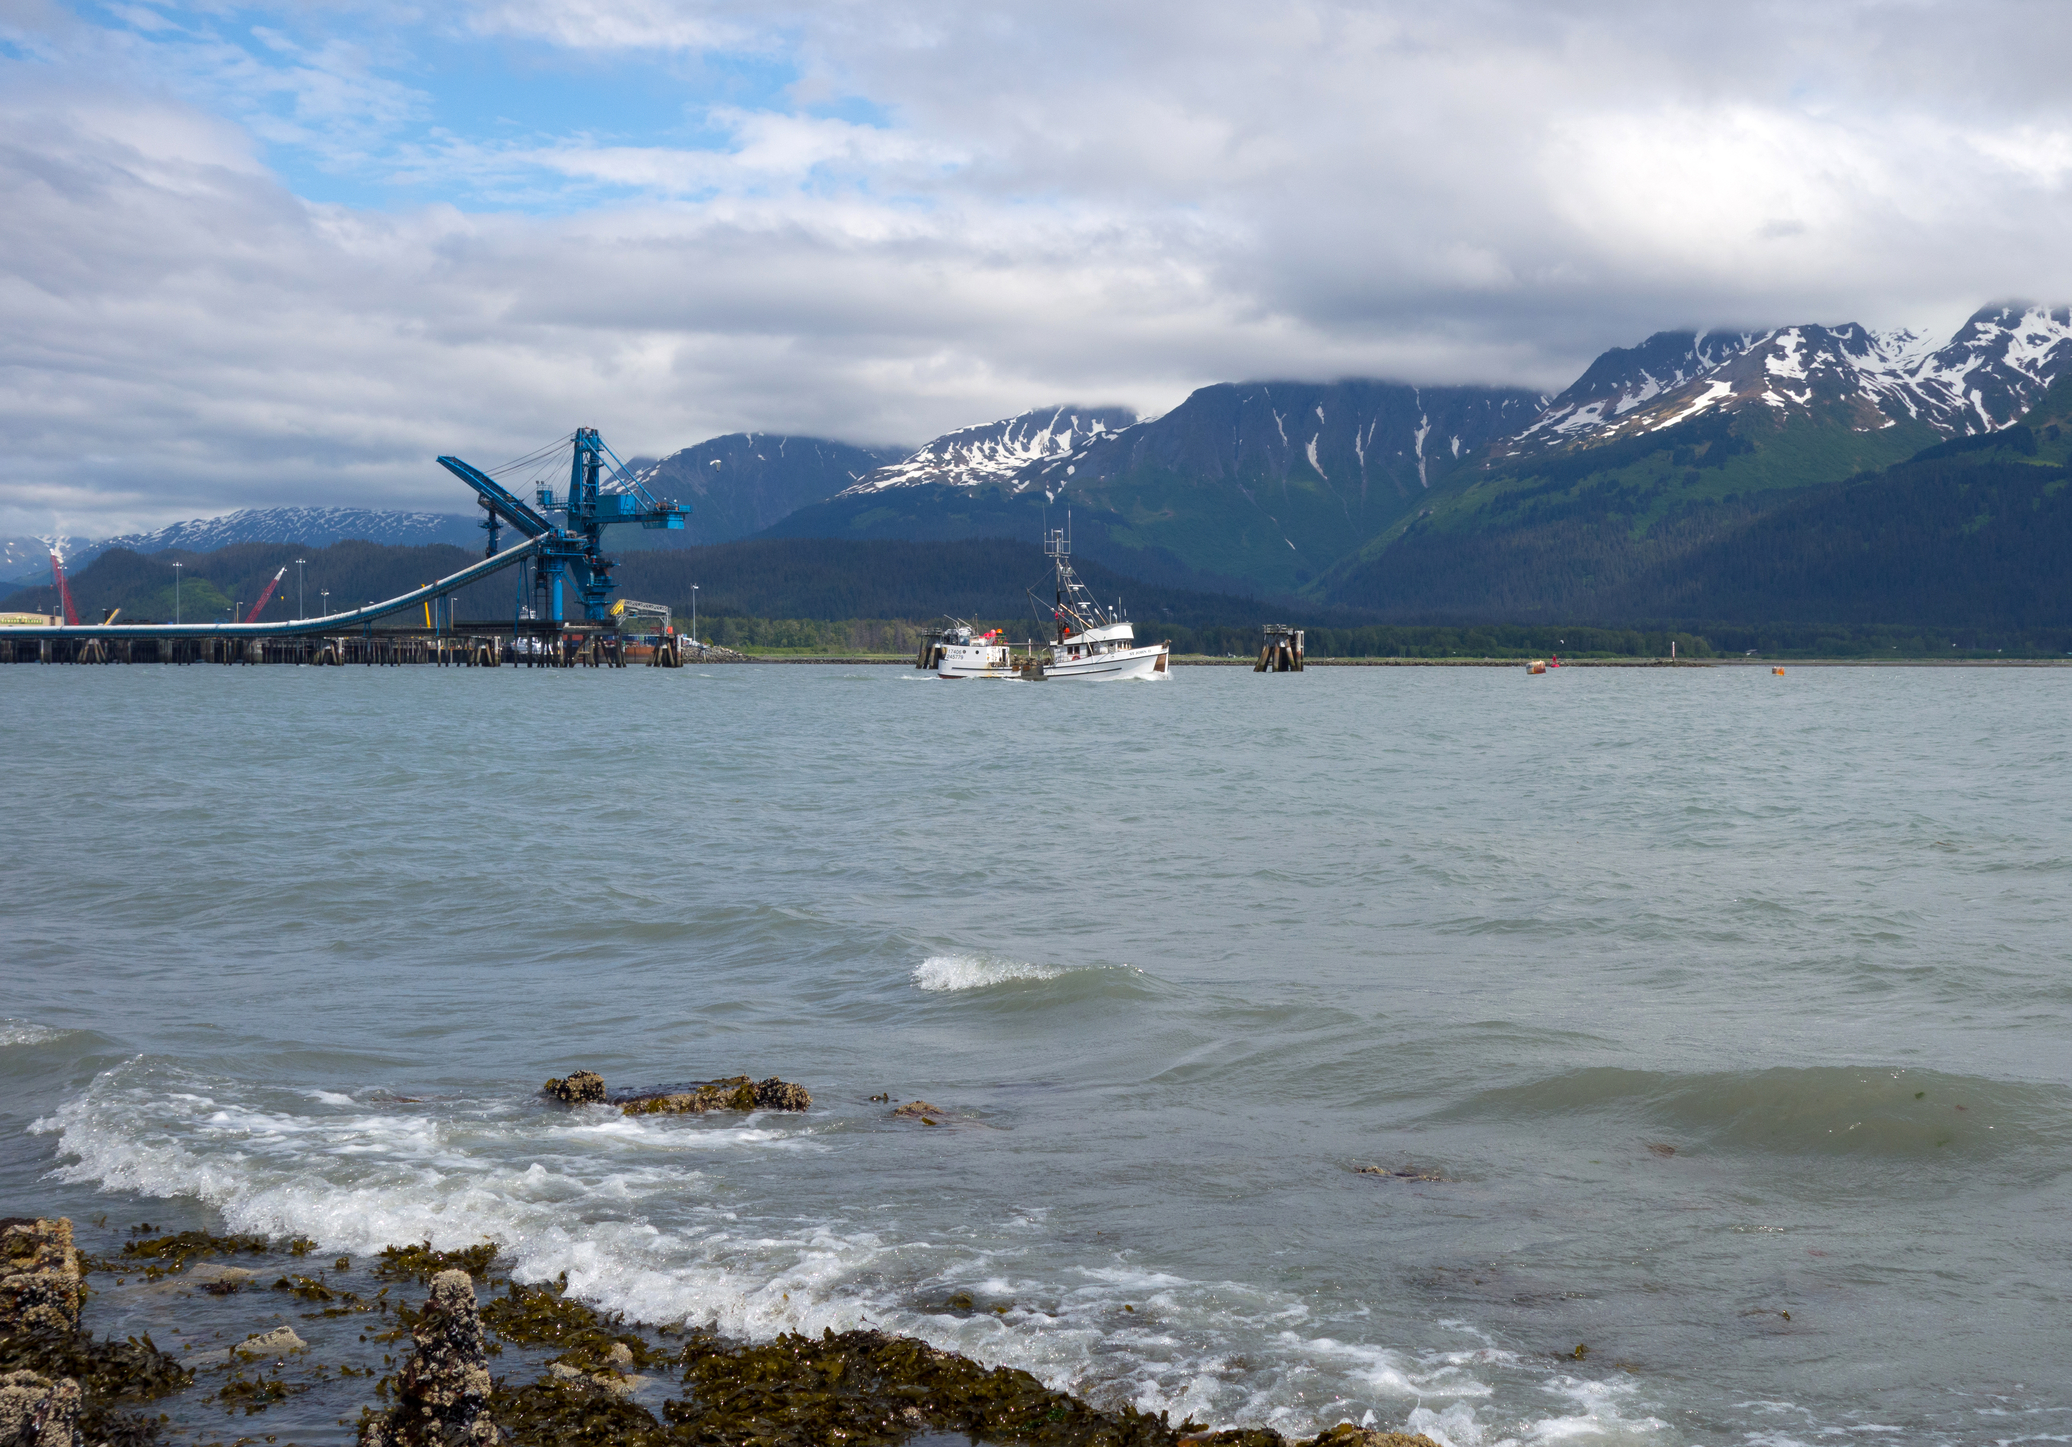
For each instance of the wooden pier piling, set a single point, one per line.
(1282, 650)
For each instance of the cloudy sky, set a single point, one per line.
(286, 253)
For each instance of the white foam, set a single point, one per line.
(1454, 1427)
(27, 1032)
(977, 972)
(638, 1214)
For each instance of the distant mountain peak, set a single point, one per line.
(317, 526)
(1005, 452)
(1981, 379)
(1627, 378)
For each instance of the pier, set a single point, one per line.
(485, 645)
(560, 558)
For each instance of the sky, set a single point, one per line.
(288, 253)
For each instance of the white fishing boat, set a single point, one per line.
(1093, 641)
(959, 652)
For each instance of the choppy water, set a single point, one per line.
(293, 948)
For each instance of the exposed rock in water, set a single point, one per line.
(734, 1093)
(775, 1094)
(38, 1411)
(39, 1276)
(919, 1110)
(582, 1087)
(1408, 1173)
(442, 1396)
(278, 1342)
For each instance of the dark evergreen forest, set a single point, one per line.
(1960, 550)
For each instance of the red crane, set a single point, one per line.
(57, 570)
(253, 616)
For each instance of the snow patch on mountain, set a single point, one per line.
(29, 558)
(1982, 379)
(1011, 452)
(317, 526)
(1627, 379)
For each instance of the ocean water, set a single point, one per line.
(1714, 1023)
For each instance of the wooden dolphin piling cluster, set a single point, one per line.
(1282, 650)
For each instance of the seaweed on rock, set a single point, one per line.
(162, 1255)
(737, 1092)
(112, 1375)
(873, 1390)
(573, 1412)
(544, 1316)
(421, 1263)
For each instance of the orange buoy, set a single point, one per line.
(1778, 671)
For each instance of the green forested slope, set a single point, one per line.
(802, 578)
(1568, 532)
(835, 578)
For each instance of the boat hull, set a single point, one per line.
(1144, 663)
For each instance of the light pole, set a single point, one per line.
(301, 594)
(176, 590)
(326, 596)
(694, 615)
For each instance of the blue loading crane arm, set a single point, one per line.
(499, 501)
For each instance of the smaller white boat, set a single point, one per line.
(959, 652)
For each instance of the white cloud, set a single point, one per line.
(982, 208)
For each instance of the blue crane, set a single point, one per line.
(598, 496)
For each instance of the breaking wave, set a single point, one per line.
(636, 1211)
(27, 1032)
(977, 972)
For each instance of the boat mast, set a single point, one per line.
(1074, 601)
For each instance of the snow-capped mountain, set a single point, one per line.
(1981, 380)
(317, 526)
(1008, 452)
(1626, 378)
(1996, 366)
(1256, 485)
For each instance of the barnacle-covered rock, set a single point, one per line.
(39, 1276)
(442, 1393)
(736, 1092)
(38, 1411)
(581, 1087)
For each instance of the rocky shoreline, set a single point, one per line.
(483, 1359)
(480, 1358)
